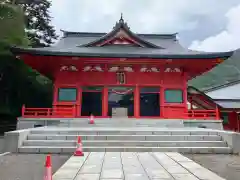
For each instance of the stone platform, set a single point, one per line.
(24, 123)
(120, 135)
(133, 166)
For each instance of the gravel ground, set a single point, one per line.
(227, 166)
(27, 166)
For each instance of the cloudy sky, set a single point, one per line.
(208, 25)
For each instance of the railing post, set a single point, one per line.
(217, 113)
(162, 111)
(23, 110)
(74, 111)
(48, 112)
(186, 114)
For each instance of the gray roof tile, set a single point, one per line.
(72, 45)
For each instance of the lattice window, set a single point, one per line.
(121, 77)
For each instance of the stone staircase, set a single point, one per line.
(124, 139)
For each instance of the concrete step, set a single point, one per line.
(131, 139)
(136, 131)
(70, 150)
(114, 125)
(122, 122)
(126, 143)
(124, 137)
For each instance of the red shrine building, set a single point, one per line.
(120, 73)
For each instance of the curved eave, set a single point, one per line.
(224, 55)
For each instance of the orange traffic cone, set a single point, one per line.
(48, 168)
(79, 151)
(91, 121)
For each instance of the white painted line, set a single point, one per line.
(6, 153)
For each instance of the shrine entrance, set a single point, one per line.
(150, 101)
(91, 101)
(120, 101)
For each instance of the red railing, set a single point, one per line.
(67, 111)
(55, 112)
(180, 112)
(202, 114)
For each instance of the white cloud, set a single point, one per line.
(191, 17)
(151, 15)
(228, 39)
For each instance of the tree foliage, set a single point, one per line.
(19, 84)
(37, 19)
(12, 27)
(38, 26)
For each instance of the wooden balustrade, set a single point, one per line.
(201, 114)
(204, 114)
(68, 111)
(55, 112)
(180, 112)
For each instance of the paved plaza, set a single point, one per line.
(133, 166)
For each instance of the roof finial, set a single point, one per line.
(121, 19)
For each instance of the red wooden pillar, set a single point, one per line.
(185, 93)
(217, 113)
(105, 102)
(232, 118)
(79, 101)
(55, 94)
(136, 102)
(23, 110)
(162, 102)
(238, 123)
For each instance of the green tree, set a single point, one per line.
(19, 84)
(11, 27)
(38, 26)
(11, 33)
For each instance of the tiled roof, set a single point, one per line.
(155, 46)
(222, 86)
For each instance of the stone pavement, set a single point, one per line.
(133, 166)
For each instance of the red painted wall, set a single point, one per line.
(171, 80)
(108, 78)
(233, 122)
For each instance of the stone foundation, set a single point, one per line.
(24, 123)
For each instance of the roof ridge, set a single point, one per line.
(119, 26)
(170, 35)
